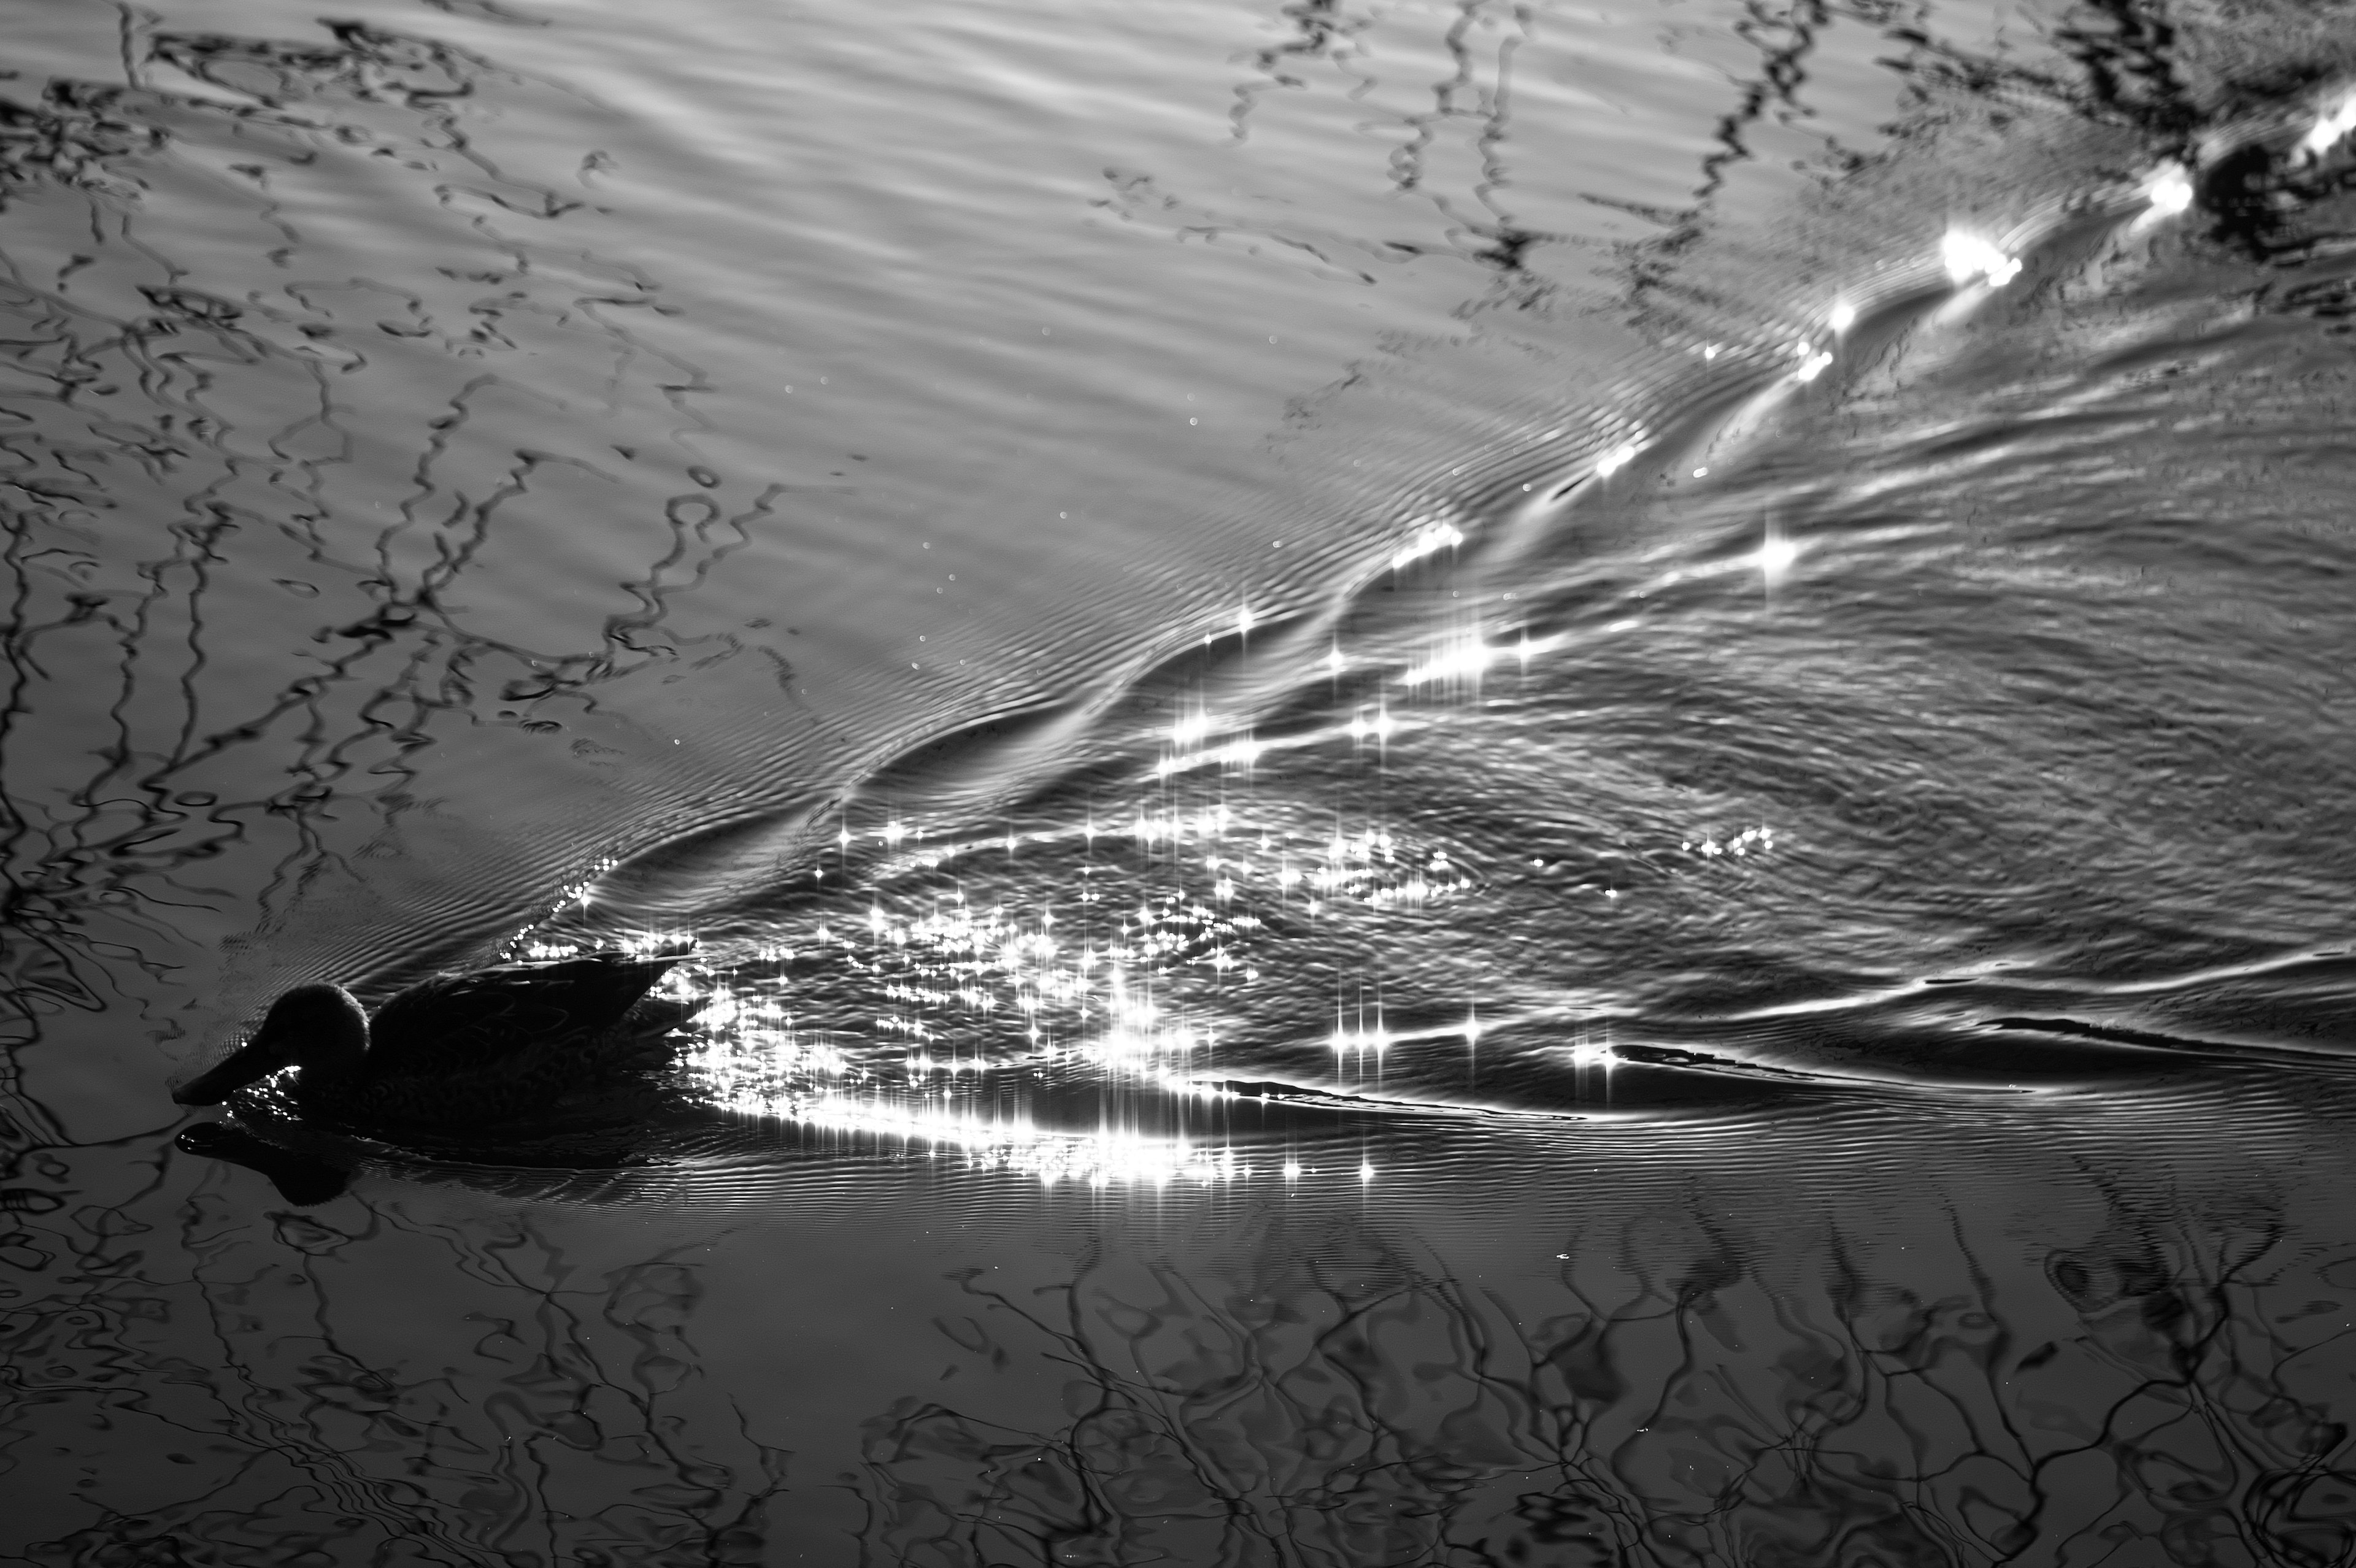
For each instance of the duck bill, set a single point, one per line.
(256, 1060)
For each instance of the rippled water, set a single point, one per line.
(1456, 783)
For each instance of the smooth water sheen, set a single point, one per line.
(1459, 783)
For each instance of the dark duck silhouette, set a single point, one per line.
(546, 1062)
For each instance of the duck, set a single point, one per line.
(526, 1053)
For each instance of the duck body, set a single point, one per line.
(541, 1055)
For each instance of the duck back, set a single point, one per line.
(529, 1039)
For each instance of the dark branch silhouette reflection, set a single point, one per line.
(2168, 1391)
(269, 545)
(309, 383)
(1708, 928)
(1657, 1370)
(567, 1421)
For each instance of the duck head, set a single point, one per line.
(323, 1030)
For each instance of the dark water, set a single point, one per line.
(1460, 784)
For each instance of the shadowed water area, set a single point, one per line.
(1446, 783)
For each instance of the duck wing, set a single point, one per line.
(568, 1013)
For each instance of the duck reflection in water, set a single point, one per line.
(558, 1062)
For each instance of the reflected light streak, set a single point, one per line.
(1431, 535)
(1465, 659)
(1616, 459)
(938, 1015)
(756, 1066)
(1191, 729)
(1468, 657)
(1101, 1158)
(753, 1064)
(1241, 754)
(1187, 734)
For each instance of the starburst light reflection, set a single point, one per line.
(1467, 658)
(1068, 1011)
(934, 1019)
(1098, 1159)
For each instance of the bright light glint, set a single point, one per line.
(2169, 191)
(1431, 537)
(2329, 130)
(1969, 257)
(1463, 660)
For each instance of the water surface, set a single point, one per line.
(1458, 783)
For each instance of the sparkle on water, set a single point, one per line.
(928, 1067)
(968, 1009)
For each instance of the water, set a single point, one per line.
(1445, 800)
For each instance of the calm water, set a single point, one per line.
(1461, 784)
